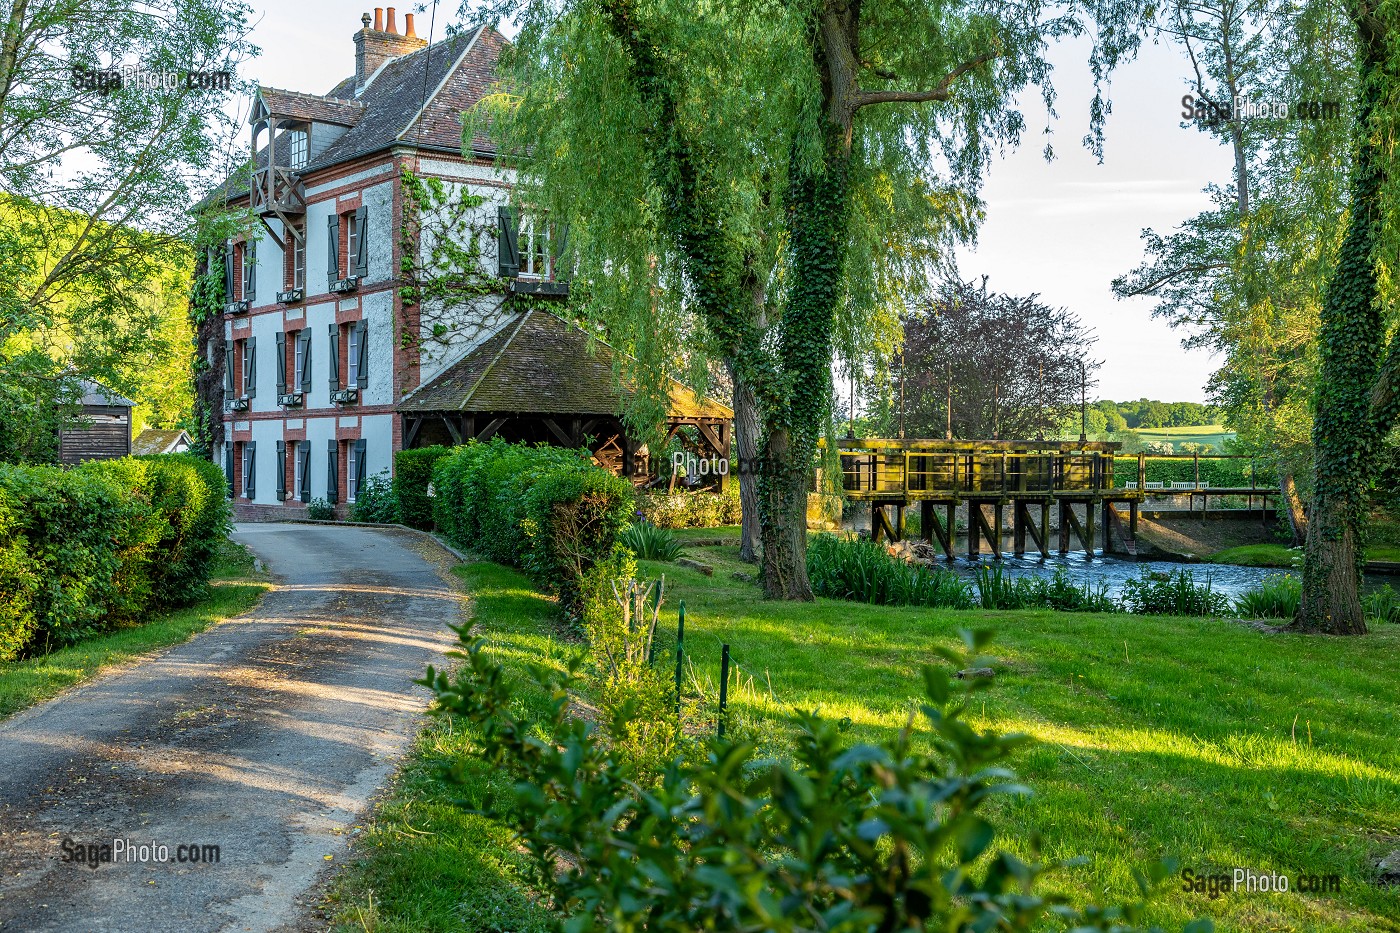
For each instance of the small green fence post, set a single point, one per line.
(680, 654)
(723, 686)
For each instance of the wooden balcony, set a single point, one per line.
(277, 191)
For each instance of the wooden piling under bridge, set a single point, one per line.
(1030, 478)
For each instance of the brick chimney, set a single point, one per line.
(377, 44)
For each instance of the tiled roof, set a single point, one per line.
(311, 106)
(152, 441)
(454, 74)
(540, 363)
(95, 393)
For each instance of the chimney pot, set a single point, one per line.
(364, 20)
(408, 26)
(390, 26)
(379, 19)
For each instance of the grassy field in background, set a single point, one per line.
(1212, 434)
(234, 589)
(1203, 740)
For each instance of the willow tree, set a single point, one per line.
(727, 161)
(1358, 395)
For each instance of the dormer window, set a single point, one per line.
(534, 249)
(300, 148)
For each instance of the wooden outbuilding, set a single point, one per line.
(103, 428)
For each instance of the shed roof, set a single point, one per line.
(95, 393)
(540, 363)
(154, 441)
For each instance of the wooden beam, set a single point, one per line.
(709, 434)
(977, 526)
(491, 428)
(412, 424)
(880, 524)
(558, 432)
(452, 429)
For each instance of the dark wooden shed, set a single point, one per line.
(103, 429)
(541, 379)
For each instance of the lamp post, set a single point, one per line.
(1083, 404)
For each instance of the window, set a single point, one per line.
(299, 257)
(247, 471)
(352, 356)
(298, 362)
(294, 451)
(247, 354)
(352, 242)
(534, 249)
(352, 465)
(300, 148)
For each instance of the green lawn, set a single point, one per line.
(1257, 555)
(234, 589)
(1198, 739)
(1212, 434)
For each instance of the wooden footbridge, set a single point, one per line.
(1030, 478)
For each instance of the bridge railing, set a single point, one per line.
(875, 467)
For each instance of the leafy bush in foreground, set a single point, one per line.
(1173, 594)
(375, 501)
(1277, 597)
(98, 546)
(846, 837)
(649, 542)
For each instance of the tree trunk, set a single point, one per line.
(1293, 505)
(747, 432)
(783, 501)
(1331, 592)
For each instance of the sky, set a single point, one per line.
(1062, 229)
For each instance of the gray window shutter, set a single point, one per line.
(250, 262)
(362, 365)
(228, 271)
(332, 471)
(252, 469)
(361, 258)
(359, 466)
(335, 356)
(252, 377)
(281, 471)
(228, 466)
(228, 369)
(559, 244)
(304, 451)
(507, 242)
(281, 363)
(304, 335)
(332, 249)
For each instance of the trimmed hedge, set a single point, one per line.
(1232, 473)
(547, 510)
(99, 546)
(413, 471)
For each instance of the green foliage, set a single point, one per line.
(319, 510)
(1383, 606)
(698, 509)
(100, 546)
(866, 572)
(998, 589)
(413, 474)
(1173, 594)
(1234, 473)
(844, 837)
(375, 501)
(649, 542)
(1277, 597)
(547, 510)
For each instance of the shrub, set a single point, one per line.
(857, 569)
(1383, 605)
(699, 509)
(845, 836)
(1173, 594)
(413, 473)
(319, 510)
(1277, 597)
(649, 542)
(996, 589)
(98, 546)
(1061, 593)
(375, 501)
(547, 510)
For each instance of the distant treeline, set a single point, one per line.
(1146, 414)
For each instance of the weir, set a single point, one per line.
(1029, 478)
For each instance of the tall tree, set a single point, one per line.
(761, 129)
(984, 365)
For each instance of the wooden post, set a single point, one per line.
(877, 512)
(1107, 528)
(952, 529)
(1018, 528)
(1133, 518)
(1142, 471)
(1066, 516)
(899, 530)
(974, 530)
(1088, 530)
(1043, 540)
(926, 520)
(997, 516)
(723, 686)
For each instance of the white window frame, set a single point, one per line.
(299, 258)
(352, 242)
(298, 377)
(527, 245)
(250, 258)
(247, 357)
(246, 471)
(295, 453)
(299, 148)
(352, 356)
(351, 462)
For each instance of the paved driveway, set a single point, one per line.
(265, 736)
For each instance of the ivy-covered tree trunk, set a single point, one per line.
(206, 307)
(1293, 505)
(747, 435)
(1345, 432)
